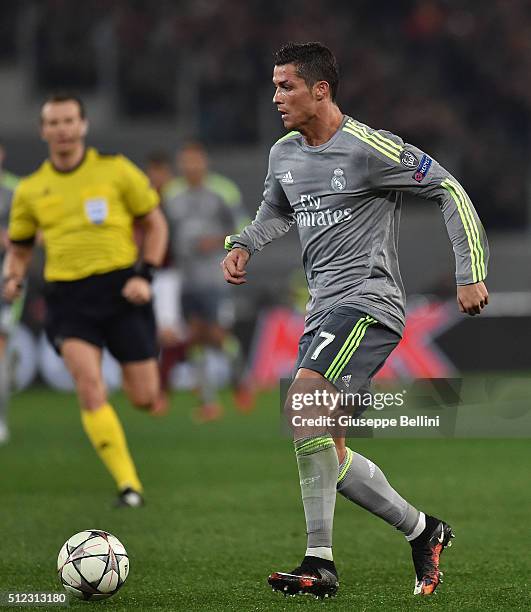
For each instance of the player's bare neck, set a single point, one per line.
(68, 162)
(323, 126)
(195, 182)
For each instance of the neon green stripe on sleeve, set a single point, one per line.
(470, 239)
(387, 142)
(449, 186)
(467, 205)
(373, 143)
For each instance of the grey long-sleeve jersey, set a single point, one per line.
(211, 209)
(345, 197)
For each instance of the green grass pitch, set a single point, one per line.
(224, 510)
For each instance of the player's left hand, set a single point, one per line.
(472, 298)
(137, 290)
(233, 266)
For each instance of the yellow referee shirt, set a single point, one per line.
(85, 215)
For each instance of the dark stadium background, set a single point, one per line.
(449, 76)
(452, 79)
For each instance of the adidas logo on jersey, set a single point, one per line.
(346, 379)
(287, 178)
(372, 468)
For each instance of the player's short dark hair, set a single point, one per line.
(314, 62)
(66, 96)
(194, 145)
(159, 157)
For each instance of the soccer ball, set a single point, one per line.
(92, 564)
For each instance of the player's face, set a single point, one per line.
(62, 126)
(159, 175)
(192, 164)
(293, 99)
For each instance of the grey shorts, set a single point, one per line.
(211, 305)
(347, 349)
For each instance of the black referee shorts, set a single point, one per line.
(93, 309)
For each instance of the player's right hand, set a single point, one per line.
(472, 298)
(233, 266)
(12, 287)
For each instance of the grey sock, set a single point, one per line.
(364, 483)
(318, 467)
(207, 390)
(4, 387)
(232, 349)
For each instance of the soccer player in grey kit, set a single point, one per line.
(341, 182)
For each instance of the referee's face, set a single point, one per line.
(296, 102)
(62, 126)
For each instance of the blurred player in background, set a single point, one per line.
(97, 294)
(166, 285)
(341, 182)
(9, 313)
(159, 169)
(202, 205)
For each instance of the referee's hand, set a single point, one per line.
(233, 266)
(137, 290)
(12, 288)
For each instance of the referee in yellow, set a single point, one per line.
(98, 291)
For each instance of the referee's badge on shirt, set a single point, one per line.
(97, 210)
